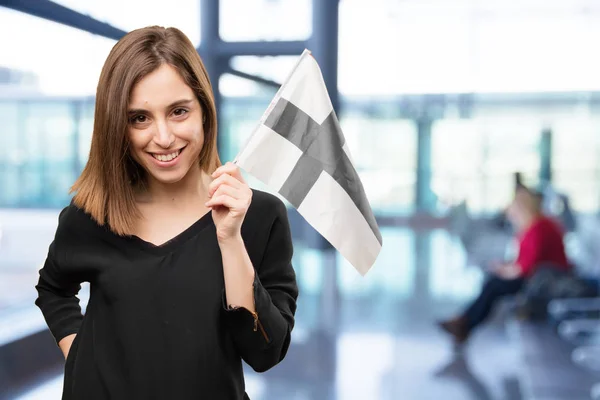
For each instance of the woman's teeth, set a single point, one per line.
(166, 157)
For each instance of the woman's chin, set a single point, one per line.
(167, 178)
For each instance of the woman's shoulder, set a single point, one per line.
(74, 221)
(544, 227)
(265, 201)
(265, 207)
(267, 216)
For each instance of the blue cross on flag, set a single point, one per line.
(299, 150)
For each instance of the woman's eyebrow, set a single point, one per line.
(174, 104)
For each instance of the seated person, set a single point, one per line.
(540, 242)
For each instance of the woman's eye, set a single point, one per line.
(179, 112)
(139, 119)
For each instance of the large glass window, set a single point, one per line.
(384, 151)
(240, 116)
(134, 14)
(576, 161)
(245, 101)
(46, 106)
(475, 159)
(252, 20)
(10, 157)
(39, 152)
(457, 157)
(430, 53)
(463, 46)
(58, 60)
(511, 144)
(275, 69)
(392, 275)
(450, 277)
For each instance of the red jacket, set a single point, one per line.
(541, 243)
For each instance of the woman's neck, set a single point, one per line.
(191, 190)
(529, 221)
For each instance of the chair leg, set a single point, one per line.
(584, 326)
(595, 392)
(587, 357)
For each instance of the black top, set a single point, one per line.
(157, 325)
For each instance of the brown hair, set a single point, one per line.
(106, 187)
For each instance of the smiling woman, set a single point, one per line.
(166, 119)
(189, 269)
(146, 80)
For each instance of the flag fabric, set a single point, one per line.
(299, 150)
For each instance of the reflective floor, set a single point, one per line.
(375, 337)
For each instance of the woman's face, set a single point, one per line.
(514, 213)
(165, 125)
(520, 211)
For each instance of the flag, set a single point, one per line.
(299, 150)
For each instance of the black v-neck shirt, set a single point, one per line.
(157, 325)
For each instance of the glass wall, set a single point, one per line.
(475, 159)
(384, 151)
(576, 159)
(491, 46)
(48, 59)
(133, 14)
(46, 96)
(252, 20)
(44, 143)
(42, 149)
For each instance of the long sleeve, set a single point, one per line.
(263, 339)
(57, 295)
(530, 253)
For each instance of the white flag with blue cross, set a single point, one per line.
(299, 151)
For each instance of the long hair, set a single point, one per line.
(106, 187)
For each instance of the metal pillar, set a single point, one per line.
(324, 44)
(257, 79)
(261, 48)
(424, 196)
(546, 156)
(217, 53)
(423, 267)
(209, 51)
(324, 47)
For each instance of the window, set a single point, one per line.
(576, 165)
(384, 152)
(475, 159)
(46, 108)
(270, 20)
(134, 14)
(481, 46)
(60, 61)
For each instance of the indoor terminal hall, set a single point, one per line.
(299, 200)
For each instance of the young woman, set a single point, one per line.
(189, 269)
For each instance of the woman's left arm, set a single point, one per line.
(260, 300)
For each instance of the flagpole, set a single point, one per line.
(304, 54)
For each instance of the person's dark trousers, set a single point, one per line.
(493, 289)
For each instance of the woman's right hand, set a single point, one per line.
(508, 272)
(65, 344)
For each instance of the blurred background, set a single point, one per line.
(441, 103)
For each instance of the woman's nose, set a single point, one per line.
(163, 137)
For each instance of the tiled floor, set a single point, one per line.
(375, 338)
